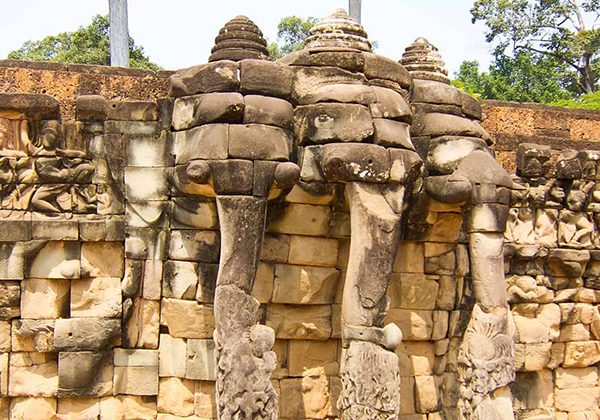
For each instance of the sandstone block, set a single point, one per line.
(135, 380)
(266, 78)
(391, 133)
(532, 390)
(436, 124)
(102, 259)
(135, 357)
(172, 354)
(97, 297)
(81, 334)
(582, 353)
(355, 162)
(176, 396)
(379, 67)
(199, 246)
(190, 213)
(308, 397)
(342, 93)
(142, 325)
(55, 260)
(330, 123)
(308, 79)
(53, 228)
(232, 176)
(143, 184)
(210, 141)
(180, 280)
(415, 324)
(259, 141)
(304, 322)
(207, 280)
(191, 111)
(33, 375)
(45, 299)
(418, 357)
(574, 332)
(32, 408)
(313, 358)
(151, 282)
(78, 408)
(269, 111)
(3, 374)
(576, 378)
(127, 407)
(220, 76)
(300, 219)
(204, 400)
(306, 250)
(410, 258)
(186, 319)
(262, 289)
(576, 399)
(390, 104)
(5, 337)
(201, 360)
(412, 291)
(426, 394)
(85, 374)
(32, 335)
(304, 284)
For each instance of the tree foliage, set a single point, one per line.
(557, 29)
(292, 31)
(528, 77)
(86, 45)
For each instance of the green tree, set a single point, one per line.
(557, 29)
(292, 31)
(528, 77)
(86, 45)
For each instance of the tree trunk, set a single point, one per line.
(354, 9)
(119, 33)
(587, 79)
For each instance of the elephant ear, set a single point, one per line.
(481, 168)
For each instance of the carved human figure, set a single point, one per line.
(353, 124)
(462, 169)
(237, 146)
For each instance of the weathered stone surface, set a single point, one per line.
(304, 284)
(233, 176)
(312, 358)
(82, 334)
(308, 79)
(45, 299)
(141, 326)
(55, 260)
(312, 251)
(239, 39)
(343, 93)
(5, 336)
(221, 76)
(533, 390)
(180, 280)
(412, 291)
(33, 374)
(78, 408)
(390, 104)
(32, 335)
(447, 152)
(355, 162)
(3, 374)
(258, 141)
(300, 219)
(136, 380)
(96, 297)
(176, 396)
(270, 111)
(266, 78)
(172, 356)
(30, 105)
(436, 124)
(415, 324)
(189, 245)
(32, 408)
(200, 360)
(582, 353)
(127, 407)
(210, 141)
(309, 397)
(191, 111)
(186, 319)
(392, 133)
(379, 67)
(300, 321)
(577, 399)
(327, 123)
(85, 374)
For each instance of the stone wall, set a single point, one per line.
(108, 274)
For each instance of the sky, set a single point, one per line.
(180, 33)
